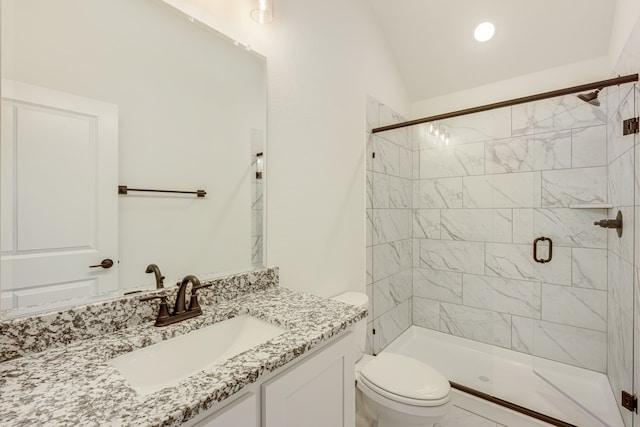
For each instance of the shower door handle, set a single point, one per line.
(535, 250)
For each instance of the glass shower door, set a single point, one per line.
(389, 227)
(583, 342)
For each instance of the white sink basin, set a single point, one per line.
(168, 362)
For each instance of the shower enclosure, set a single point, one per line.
(483, 226)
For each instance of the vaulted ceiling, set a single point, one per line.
(437, 54)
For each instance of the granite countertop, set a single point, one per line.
(75, 385)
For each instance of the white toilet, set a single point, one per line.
(396, 390)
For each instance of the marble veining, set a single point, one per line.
(75, 385)
(440, 285)
(452, 255)
(426, 223)
(502, 295)
(481, 325)
(563, 112)
(589, 268)
(438, 193)
(391, 324)
(501, 191)
(574, 186)
(461, 160)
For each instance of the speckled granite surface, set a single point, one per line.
(31, 334)
(75, 385)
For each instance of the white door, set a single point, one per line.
(58, 196)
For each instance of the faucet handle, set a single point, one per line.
(195, 288)
(163, 310)
(193, 301)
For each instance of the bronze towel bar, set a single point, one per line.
(123, 189)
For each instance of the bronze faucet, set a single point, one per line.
(180, 311)
(153, 268)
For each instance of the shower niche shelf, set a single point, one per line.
(592, 206)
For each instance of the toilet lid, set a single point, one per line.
(403, 377)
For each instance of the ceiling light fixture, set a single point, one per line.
(262, 11)
(484, 31)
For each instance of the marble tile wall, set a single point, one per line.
(390, 220)
(257, 198)
(506, 177)
(257, 226)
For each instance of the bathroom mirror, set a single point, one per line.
(106, 93)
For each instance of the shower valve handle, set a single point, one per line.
(612, 223)
(608, 223)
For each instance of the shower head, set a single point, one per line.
(591, 97)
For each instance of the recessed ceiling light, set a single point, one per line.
(484, 31)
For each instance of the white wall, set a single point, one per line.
(625, 18)
(529, 84)
(323, 57)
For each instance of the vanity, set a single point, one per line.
(58, 367)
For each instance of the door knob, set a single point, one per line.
(105, 263)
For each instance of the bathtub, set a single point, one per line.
(573, 395)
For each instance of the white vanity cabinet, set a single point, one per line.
(316, 391)
(243, 412)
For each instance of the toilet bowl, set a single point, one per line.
(396, 390)
(401, 391)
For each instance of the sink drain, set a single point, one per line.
(484, 379)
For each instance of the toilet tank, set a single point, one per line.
(360, 329)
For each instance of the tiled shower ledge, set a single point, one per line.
(74, 384)
(592, 206)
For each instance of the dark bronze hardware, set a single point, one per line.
(123, 189)
(535, 250)
(612, 223)
(631, 78)
(105, 263)
(153, 268)
(163, 312)
(180, 311)
(629, 401)
(510, 405)
(193, 300)
(259, 173)
(631, 126)
(180, 306)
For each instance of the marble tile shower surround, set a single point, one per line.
(507, 177)
(32, 334)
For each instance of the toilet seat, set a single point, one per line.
(405, 380)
